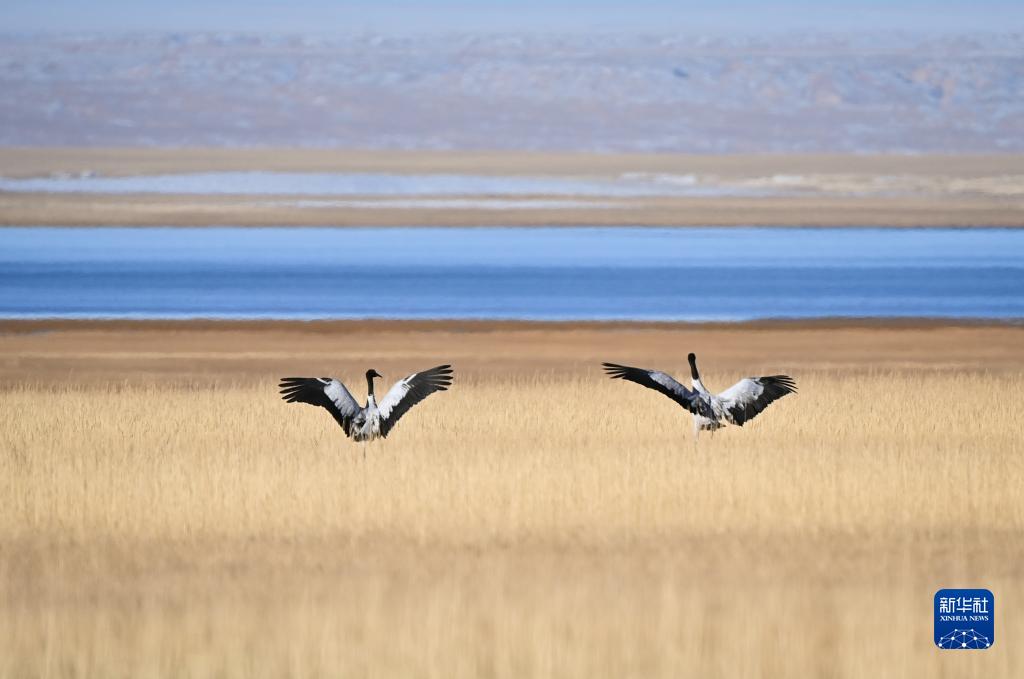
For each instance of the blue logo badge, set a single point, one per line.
(964, 619)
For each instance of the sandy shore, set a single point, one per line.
(245, 352)
(29, 162)
(950, 190)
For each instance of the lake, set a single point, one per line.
(700, 274)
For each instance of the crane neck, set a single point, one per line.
(695, 376)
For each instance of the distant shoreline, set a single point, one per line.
(27, 326)
(934, 205)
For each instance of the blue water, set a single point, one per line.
(521, 273)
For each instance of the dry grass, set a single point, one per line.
(568, 527)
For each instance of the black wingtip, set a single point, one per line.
(292, 388)
(440, 377)
(614, 370)
(784, 383)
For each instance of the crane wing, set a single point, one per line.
(409, 391)
(661, 382)
(325, 392)
(748, 397)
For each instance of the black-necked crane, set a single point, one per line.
(736, 405)
(374, 420)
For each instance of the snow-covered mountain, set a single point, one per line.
(686, 93)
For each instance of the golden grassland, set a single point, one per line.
(529, 522)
